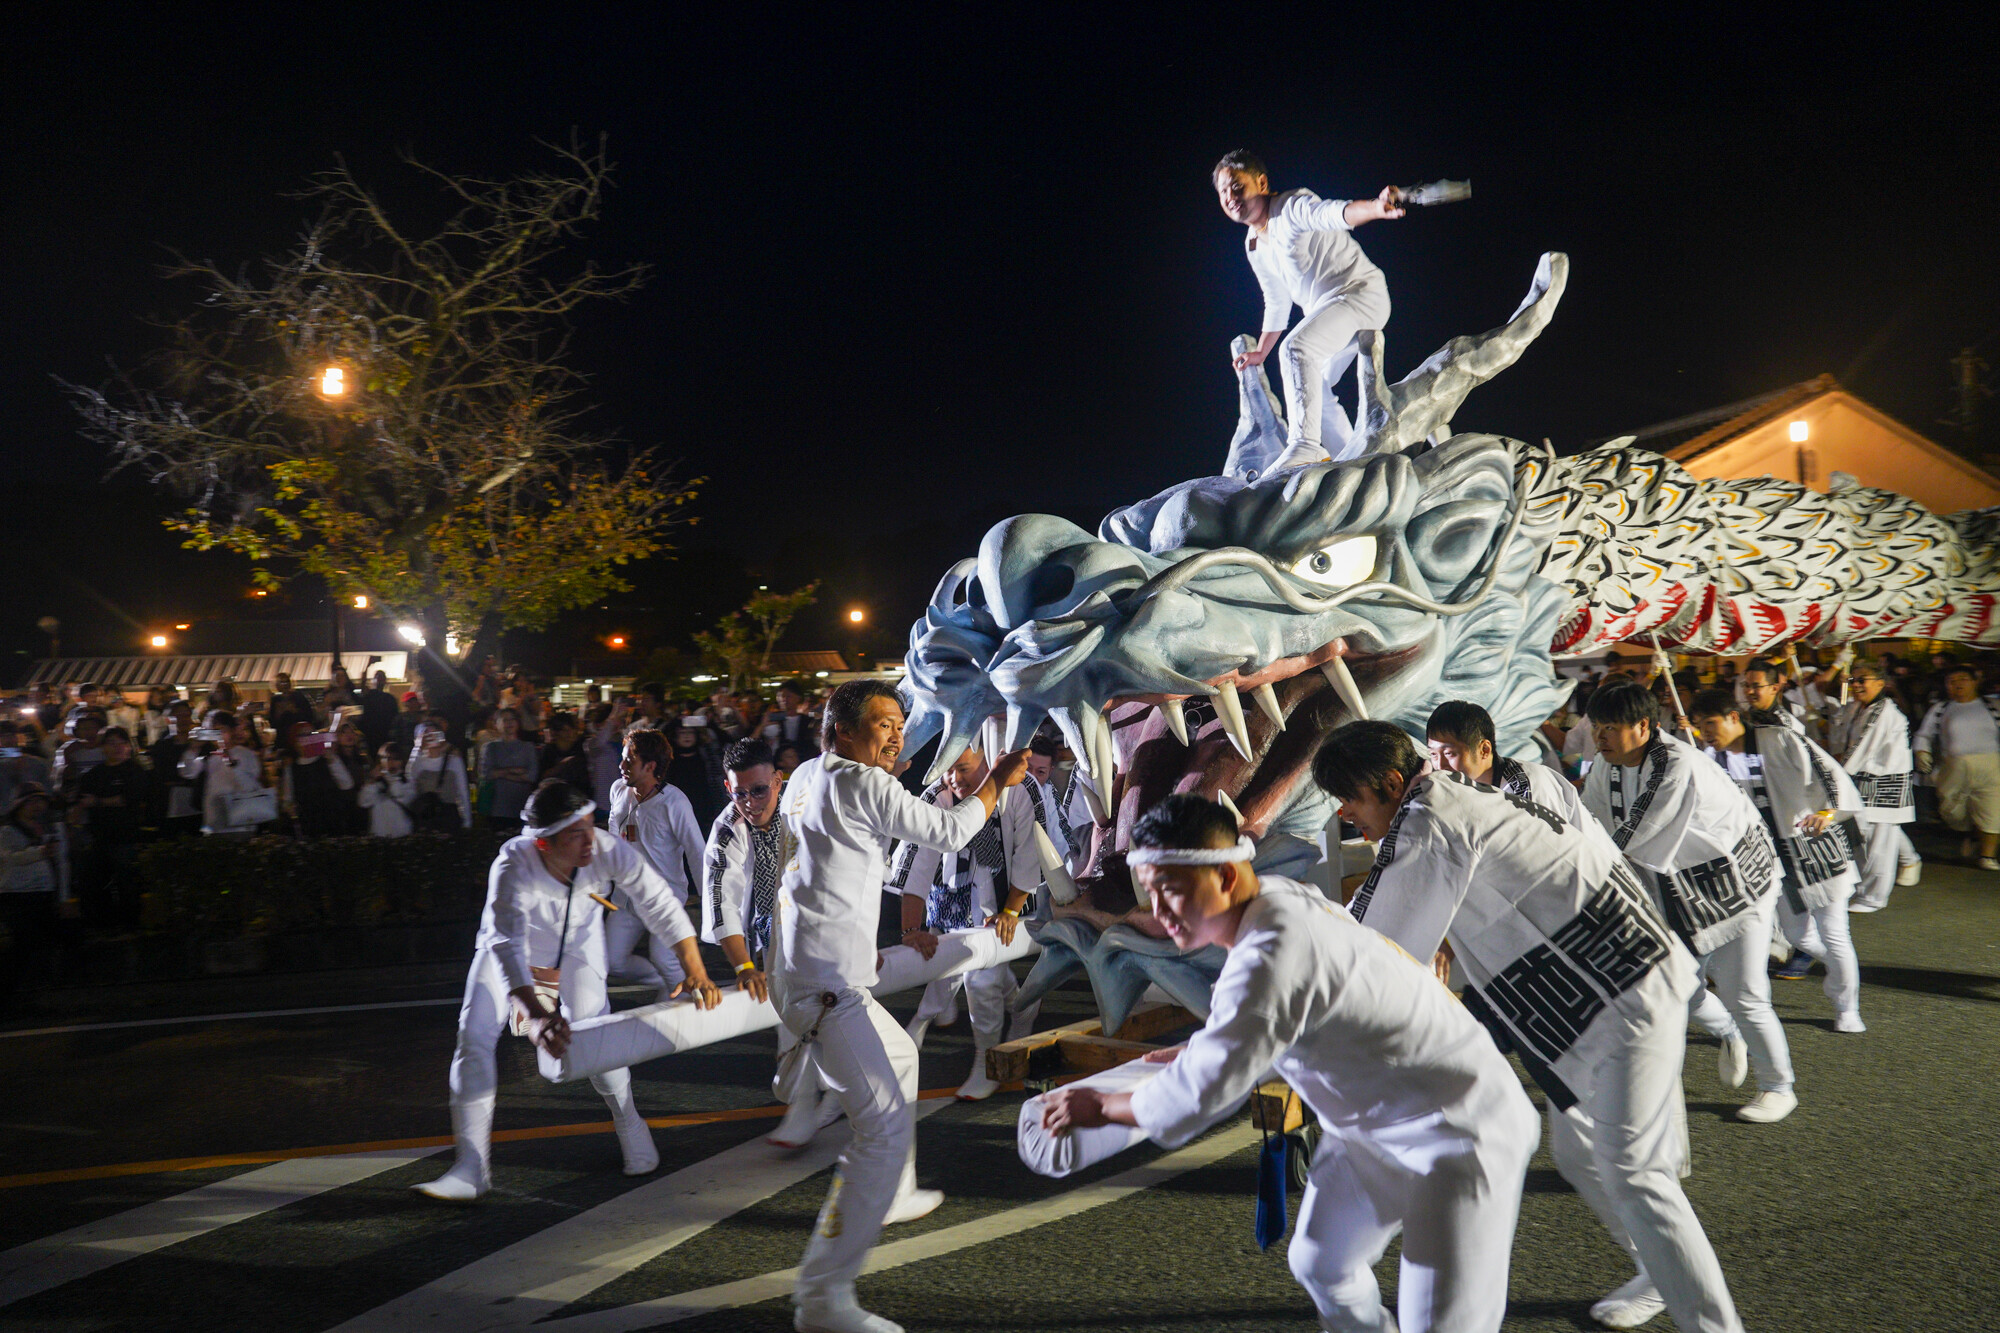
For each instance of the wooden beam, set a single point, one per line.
(1091, 1054)
(1008, 1062)
(1148, 1021)
(1276, 1109)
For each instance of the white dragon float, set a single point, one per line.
(1208, 638)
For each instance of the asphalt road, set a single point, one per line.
(1875, 1206)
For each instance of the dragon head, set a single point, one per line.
(1209, 638)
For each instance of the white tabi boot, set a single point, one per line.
(1631, 1305)
(980, 1085)
(635, 1136)
(472, 1174)
(840, 1314)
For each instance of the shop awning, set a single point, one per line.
(307, 670)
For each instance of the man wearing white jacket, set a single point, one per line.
(1568, 966)
(655, 819)
(1701, 846)
(540, 956)
(1800, 792)
(985, 883)
(1426, 1128)
(844, 809)
(1871, 739)
(1302, 249)
(1460, 736)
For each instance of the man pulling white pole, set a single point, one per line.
(844, 807)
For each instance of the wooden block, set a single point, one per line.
(1276, 1109)
(1150, 1020)
(1091, 1054)
(1008, 1062)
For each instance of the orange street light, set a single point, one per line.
(360, 601)
(618, 641)
(857, 615)
(159, 640)
(333, 382)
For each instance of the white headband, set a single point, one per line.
(1244, 850)
(584, 811)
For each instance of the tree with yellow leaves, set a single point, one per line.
(391, 411)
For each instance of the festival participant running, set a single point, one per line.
(1572, 970)
(1426, 1128)
(542, 936)
(1871, 738)
(1460, 735)
(1301, 247)
(843, 807)
(986, 883)
(1699, 842)
(748, 847)
(1800, 791)
(653, 817)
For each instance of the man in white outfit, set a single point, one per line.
(654, 818)
(986, 883)
(1425, 1127)
(1800, 793)
(1963, 732)
(1701, 846)
(1302, 249)
(1871, 738)
(748, 848)
(1460, 736)
(540, 956)
(843, 809)
(1570, 968)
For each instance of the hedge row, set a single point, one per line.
(220, 888)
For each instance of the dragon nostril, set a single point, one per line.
(970, 593)
(1051, 583)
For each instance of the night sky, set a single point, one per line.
(912, 277)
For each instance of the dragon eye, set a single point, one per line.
(1338, 564)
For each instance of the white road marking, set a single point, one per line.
(261, 1013)
(995, 1226)
(226, 1018)
(536, 1276)
(95, 1246)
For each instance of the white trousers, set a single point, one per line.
(1457, 1222)
(1313, 357)
(1822, 932)
(986, 994)
(863, 1057)
(482, 1020)
(1885, 849)
(622, 930)
(1742, 996)
(1623, 1145)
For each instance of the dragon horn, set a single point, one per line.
(1405, 413)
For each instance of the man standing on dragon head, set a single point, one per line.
(1302, 249)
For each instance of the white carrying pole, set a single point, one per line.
(634, 1036)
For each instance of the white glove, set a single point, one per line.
(1844, 658)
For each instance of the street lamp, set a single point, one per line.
(360, 601)
(159, 640)
(411, 634)
(856, 616)
(333, 382)
(1800, 431)
(618, 641)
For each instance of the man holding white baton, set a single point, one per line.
(844, 808)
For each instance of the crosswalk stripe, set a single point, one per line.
(95, 1246)
(930, 1245)
(541, 1274)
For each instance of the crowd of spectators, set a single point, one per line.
(88, 776)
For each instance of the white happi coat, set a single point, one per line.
(1306, 255)
(1539, 783)
(1873, 744)
(1787, 779)
(925, 872)
(662, 827)
(1698, 841)
(531, 919)
(742, 865)
(843, 816)
(1551, 926)
(1383, 1054)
